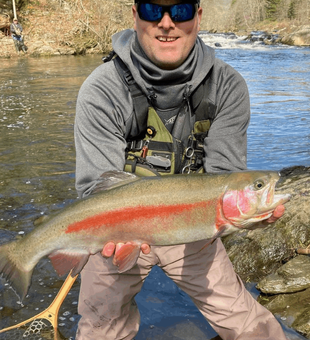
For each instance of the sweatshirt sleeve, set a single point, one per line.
(99, 128)
(226, 143)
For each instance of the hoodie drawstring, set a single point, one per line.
(151, 96)
(186, 96)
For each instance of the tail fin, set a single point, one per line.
(9, 269)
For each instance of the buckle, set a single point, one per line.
(135, 145)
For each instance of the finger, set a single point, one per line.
(278, 212)
(118, 246)
(108, 249)
(145, 248)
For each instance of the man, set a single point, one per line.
(169, 62)
(16, 31)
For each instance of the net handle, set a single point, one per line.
(51, 312)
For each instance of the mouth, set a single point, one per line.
(167, 39)
(280, 199)
(263, 215)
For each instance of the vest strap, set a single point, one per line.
(140, 102)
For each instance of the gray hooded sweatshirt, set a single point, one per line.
(104, 114)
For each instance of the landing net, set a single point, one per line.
(42, 326)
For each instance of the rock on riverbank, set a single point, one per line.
(295, 36)
(299, 37)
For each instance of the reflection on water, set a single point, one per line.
(37, 158)
(278, 81)
(37, 107)
(37, 164)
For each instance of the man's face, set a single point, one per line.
(167, 43)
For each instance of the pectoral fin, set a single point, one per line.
(126, 257)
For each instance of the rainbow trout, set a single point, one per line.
(164, 210)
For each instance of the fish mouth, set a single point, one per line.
(264, 212)
(282, 198)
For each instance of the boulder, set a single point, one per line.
(294, 276)
(300, 37)
(4, 20)
(293, 309)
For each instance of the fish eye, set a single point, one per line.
(259, 184)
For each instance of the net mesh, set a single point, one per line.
(38, 329)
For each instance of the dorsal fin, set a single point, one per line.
(114, 178)
(41, 219)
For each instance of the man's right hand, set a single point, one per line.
(110, 248)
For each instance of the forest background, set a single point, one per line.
(85, 25)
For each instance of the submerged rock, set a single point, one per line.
(293, 309)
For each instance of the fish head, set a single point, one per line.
(250, 198)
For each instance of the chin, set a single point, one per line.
(168, 64)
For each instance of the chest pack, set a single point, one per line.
(151, 149)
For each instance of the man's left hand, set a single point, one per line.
(278, 212)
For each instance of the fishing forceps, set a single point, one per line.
(189, 154)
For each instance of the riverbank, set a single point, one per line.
(51, 29)
(82, 45)
(48, 32)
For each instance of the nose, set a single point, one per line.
(166, 22)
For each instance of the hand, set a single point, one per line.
(110, 248)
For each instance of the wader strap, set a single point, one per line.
(109, 57)
(140, 102)
(201, 101)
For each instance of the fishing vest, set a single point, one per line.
(151, 149)
(17, 30)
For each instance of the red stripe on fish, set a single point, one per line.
(130, 214)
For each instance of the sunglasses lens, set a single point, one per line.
(150, 12)
(182, 12)
(178, 13)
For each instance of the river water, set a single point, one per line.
(37, 159)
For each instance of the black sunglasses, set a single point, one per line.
(178, 13)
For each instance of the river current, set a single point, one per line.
(37, 158)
